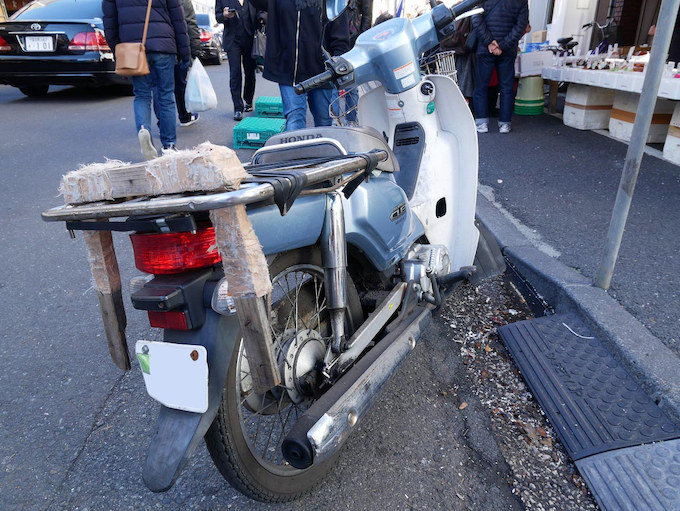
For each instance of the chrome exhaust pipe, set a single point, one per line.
(322, 430)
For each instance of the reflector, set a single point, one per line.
(176, 320)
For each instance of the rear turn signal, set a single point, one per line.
(175, 252)
(4, 45)
(89, 41)
(175, 320)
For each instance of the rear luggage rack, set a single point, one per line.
(254, 189)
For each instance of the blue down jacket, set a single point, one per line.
(504, 21)
(167, 33)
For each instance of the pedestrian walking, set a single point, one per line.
(239, 19)
(185, 118)
(497, 32)
(294, 54)
(166, 40)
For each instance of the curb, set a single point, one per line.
(653, 365)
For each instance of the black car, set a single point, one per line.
(211, 38)
(56, 42)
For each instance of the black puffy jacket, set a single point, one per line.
(504, 21)
(167, 33)
(294, 39)
(192, 28)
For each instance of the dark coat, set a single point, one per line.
(294, 40)
(360, 13)
(241, 27)
(192, 28)
(167, 33)
(504, 21)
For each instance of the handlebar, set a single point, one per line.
(465, 6)
(314, 82)
(340, 71)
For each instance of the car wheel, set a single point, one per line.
(35, 90)
(217, 60)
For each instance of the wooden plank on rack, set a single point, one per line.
(254, 320)
(207, 167)
(247, 273)
(106, 279)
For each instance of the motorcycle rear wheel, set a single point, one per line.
(258, 471)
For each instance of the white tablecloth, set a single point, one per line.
(619, 80)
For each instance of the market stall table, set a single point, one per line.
(589, 106)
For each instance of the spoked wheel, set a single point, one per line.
(245, 439)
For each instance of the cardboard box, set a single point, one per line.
(539, 36)
(532, 64)
(588, 108)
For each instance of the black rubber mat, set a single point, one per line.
(592, 402)
(645, 477)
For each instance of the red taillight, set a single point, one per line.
(89, 41)
(175, 252)
(205, 36)
(4, 45)
(176, 320)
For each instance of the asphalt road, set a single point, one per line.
(74, 429)
(560, 183)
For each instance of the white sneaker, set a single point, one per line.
(148, 150)
(483, 128)
(504, 127)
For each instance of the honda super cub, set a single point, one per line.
(364, 231)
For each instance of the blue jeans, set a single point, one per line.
(505, 69)
(351, 101)
(180, 89)
(162, 67)
(295, 107)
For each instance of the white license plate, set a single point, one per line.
(39, 43)
(175, 375)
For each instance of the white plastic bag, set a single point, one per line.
(199, 95)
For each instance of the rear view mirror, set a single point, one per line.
(334, 8)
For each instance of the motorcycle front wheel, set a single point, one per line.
(245, 439)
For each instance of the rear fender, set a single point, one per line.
(177, 432)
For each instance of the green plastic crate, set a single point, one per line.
(253, 132)
(269, 106)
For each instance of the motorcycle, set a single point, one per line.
(371, 229)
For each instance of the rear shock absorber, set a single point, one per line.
(334, 260)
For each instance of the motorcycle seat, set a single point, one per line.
(563, 41)
(325, 141)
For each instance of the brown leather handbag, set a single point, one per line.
(131, 57)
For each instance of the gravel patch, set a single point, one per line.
(542, 474)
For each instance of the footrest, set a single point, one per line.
(642, 477)
(594, 405)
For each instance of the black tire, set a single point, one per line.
(231, 451)
(33, 91)
(217, 60)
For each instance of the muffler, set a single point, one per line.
(322, 430)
